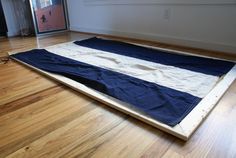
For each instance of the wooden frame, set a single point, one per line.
(183, 130)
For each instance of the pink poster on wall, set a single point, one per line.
(49, 15)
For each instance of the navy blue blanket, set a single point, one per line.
(161, 103)
(193, 63)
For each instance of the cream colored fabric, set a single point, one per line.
(194, 83)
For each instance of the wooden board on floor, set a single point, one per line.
(182, 130)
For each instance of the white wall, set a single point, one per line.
(12, 25)
(209, 24)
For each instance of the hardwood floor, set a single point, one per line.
(42, 118)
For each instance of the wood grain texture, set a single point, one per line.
(41, 118)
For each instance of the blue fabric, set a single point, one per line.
(161, 103)
(197, 64)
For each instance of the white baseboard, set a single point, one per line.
(12, 33)
(163, 38)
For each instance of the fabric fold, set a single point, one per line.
(164, 104)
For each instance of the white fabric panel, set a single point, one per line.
(194, 83)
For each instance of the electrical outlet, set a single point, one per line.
(166, 14)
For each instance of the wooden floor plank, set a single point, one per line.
(60, 141)
(42, 118)
(26, 124)
(212, 133)
(112, 143)
(135, 142)
(30, 99)
(23, 88)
